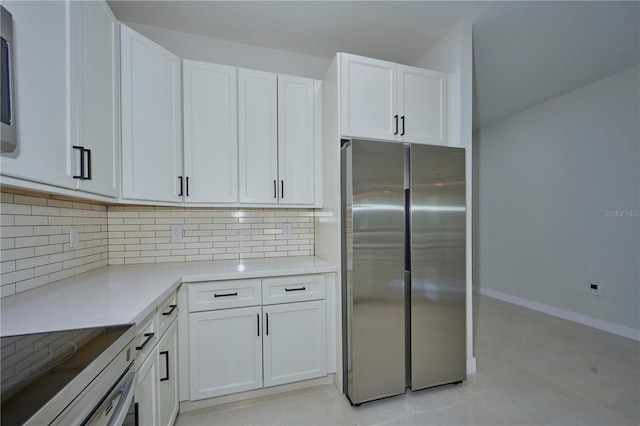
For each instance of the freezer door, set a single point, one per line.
(437, 265)
(373, 277)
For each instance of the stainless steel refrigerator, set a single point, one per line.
(403, 267)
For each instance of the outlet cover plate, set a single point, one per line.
(286, 230)
(176, 232)
(73, 237)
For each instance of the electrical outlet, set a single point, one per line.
(595, 287)
(176, 232)
(286, 230)
(73, 237)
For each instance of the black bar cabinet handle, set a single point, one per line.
(267, 322)
(402, 134)
(166, 364)
(136, 415)
(81, 175)
(396, 118)
(173, 308)
(180, 179)
(225, 295)
(148, 336)
(258, 318)
(88, 177)
(187, 186)
(275, 189)
(295, 289)
(281, 189)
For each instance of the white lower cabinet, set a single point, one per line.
(147, 392)
(225, 352)
(294, 342)
(168, 378)
(240, 345)
(156, 393)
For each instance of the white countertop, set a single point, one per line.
(126, 294)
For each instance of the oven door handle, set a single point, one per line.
(125, 389)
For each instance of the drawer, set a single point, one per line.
(224, 294)
(297, 288)
(146, 337)
(167, 312)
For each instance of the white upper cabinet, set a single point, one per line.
(151, 120)
(210, 133)
(258, 136)
(43, 91)
(277, 121)
(422, 99)
(296, 140)
(95, 40)
(386, 101)
(369, 98)
(68, 111)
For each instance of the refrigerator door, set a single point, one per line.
(373, 274)
(437, 266)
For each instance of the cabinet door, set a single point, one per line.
(151, 129)
(210, 132)
(225, 352)
(96, 48)
(43, 93)
(257, 136)
(294, 342)
(369, 98)
(168, 380)
(423, 105)
(147, 392)
(296, 143)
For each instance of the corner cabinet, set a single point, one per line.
(151, 120)
(386, 101)
(278, 139)
(249, 334)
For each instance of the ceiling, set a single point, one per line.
(524, 52)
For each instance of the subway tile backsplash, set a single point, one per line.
(35, 248)
(34, 233)
(143, 234)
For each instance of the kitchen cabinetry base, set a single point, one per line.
(186, 406)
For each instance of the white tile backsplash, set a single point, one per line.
(34, 236)
(35, 239)
(143, 234)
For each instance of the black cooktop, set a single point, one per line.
(35, 367)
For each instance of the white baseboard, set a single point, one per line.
(186, 406)
(607, 326)
(471, 366)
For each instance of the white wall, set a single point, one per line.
(453, 54)
(546, 178)
(200, 48)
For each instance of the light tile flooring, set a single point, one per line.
(533, 369)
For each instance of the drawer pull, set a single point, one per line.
(148, 336)
(173, 308)
(225, 295)
(295, 289)
(166, 364)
